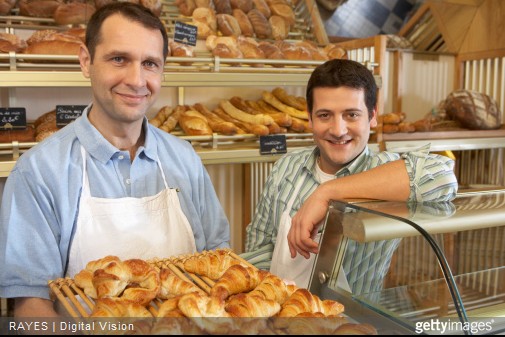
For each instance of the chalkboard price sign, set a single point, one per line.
(185, 33)
(12, 118)
(273, 144)
(65, 114)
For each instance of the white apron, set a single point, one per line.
(144, 228)
(298, 269)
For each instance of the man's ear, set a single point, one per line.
(373, 120)
(84, 60)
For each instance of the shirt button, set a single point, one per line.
(128, 181)
(121, 157)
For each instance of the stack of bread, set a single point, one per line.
(252, 18)
(393, 122)
(275, 112)
(205, 286)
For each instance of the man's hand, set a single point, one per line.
(304, 224)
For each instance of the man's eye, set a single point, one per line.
(117, 59)
(150, 64)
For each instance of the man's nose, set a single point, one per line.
(338, 127)
(135, 76)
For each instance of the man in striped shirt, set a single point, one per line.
(341, 101)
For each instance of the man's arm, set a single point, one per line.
(389, 181)
(34, 307)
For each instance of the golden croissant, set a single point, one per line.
(246, 305)
(237, 279)
(114, 307)
(303, 301)
(271, 288)
(172, 285)
(211, 264)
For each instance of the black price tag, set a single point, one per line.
(273, 144)
(185, 33)
(12, 118)
(65, 114)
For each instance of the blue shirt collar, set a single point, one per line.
(97, 146)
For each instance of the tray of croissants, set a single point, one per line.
(204, 293)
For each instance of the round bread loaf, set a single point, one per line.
(260, 23)
(73, 13)
(11, 42)
(228, 25)
(243, 21)
(38, 8)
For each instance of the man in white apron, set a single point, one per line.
(108, 183)
(341, 101)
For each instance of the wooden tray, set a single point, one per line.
(77, 304)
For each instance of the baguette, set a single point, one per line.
(272, 100)
(216, 123)
(287, 99)
(255, 129)
(231, 110)
(171, 121)
(281, 118)
(161, 116)
(194, 123)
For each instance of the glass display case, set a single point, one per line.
(430, 268)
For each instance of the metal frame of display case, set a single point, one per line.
(341, 226)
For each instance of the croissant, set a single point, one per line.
(170, 308)
(84, 279)
(247, 305)
(237, 279)
(309, 323)
(355, 329)
(204, 310)
(200, 305)
(172, 285)
(271, 288)
(303, 301)
(113, 307)
(211, 264)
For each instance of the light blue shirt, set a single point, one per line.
(41, 197)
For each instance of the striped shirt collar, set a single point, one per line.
(356, 165)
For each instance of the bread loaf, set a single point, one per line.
(262, 6)
(272, 100)
(38, 8)
(260, 23)
(223, 6)
(255, 129)
(228, 25)
(280, 28)
(73, 13)
(51, 42)
(186, 7)
(206, 16)
(243, 21)
(283, 10)
(194, 123)
(6, 6)
(216, 123)
(244, 5)
(243, 116)
(11, 42)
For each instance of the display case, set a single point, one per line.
(415, 268)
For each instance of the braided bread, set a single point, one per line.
(303, 301)
(172, 285)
